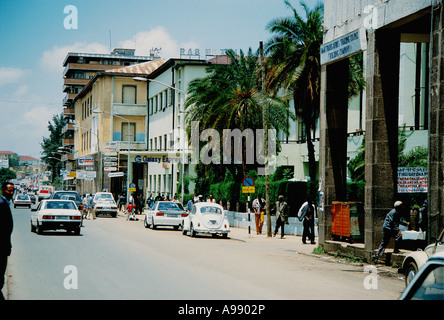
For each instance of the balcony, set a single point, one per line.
(134, 145)
(68, 142)
(68, 98)
(68, 127)
(69, 112)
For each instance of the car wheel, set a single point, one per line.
(32, 228)
(410, 272)
(184, 232)
(39, 229)
(145, 223)
(192, 232)
(153, 226)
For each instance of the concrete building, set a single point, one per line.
(80, 68)
(386, 32)
(111, 122)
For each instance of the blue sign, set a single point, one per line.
(248, 182)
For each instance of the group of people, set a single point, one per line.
(306, 214)
(88, 207)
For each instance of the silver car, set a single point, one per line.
(165, 213)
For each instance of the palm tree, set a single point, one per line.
(229, 97)
(294, 66)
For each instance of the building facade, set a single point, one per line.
(399, 91)
(80, 68)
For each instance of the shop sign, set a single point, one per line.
(344, 46)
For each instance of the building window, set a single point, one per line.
(132, 131)
(129, 94)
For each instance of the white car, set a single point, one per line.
(105, 206)
(414, 260)
(22, 200)
(428, 284)
(56, 214)
(165, 213)
(207, 218)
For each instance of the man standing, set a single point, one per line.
(281, 209)
(390, 229)
(307, 214)
(259, 209)
(6, 225)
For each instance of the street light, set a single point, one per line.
(183, 127)
(128, 161)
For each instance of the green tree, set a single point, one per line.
(229, 97)
(6, 175)
(294, 66)
(51, 145)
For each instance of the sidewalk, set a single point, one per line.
(293, 245)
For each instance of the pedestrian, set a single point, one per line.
(91, 207)
(281, 211)
(307, 214)
(85, 207)
(6, 226)
(390, 229)
(423, 216)
(150, 201)
(211, 199)
(190, 204)
(259, 211)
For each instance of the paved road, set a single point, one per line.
(118, 259)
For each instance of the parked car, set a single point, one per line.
(165, 213)
(68, 195)
(55, 214)
(414, 260)
(207, 218)
(428, 284)
(22, 200)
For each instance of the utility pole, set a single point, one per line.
(265, 123)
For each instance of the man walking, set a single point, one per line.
(259, 210)
(6, 226)
(390, 229)
(307, 214)
(281, 209)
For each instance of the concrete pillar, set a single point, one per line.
(333, 140)
(436, 126)
(381, 139)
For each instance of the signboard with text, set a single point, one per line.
(412, 180)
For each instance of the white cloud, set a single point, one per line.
(158, 37)
(11, 75)
(52, 60)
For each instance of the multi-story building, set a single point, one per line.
(80, 68)
(111, 122)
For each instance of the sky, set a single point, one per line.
(36, 35)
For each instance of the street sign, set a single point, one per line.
(110, 159)
(110, 168)
(115, 174)
(110, 164)
(249, 189)
(248, 185)
(248, 182)
(132, 187)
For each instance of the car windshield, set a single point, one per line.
(210, 210)
(170, 206)
(60, 205)
(105, 200)
(22, 197)
(101, 197)
(432, 288)
(62, 195)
